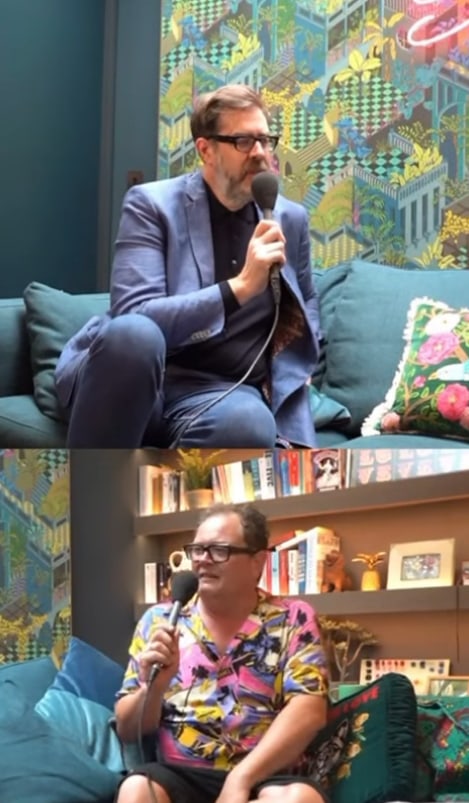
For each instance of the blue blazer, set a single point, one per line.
(164, 268)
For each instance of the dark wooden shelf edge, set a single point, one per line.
(413, 491)
(411, 600)
(463, 597)
(352, 603)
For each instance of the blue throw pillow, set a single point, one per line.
(33, 677)
(40, 765)
(87, 672)
(86, 722)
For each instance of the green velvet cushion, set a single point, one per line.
(326, 411)
(52, 317)
(366, 753)
(32, 678)
(328, 284)
(443, 743)
(430, 392)
(40, 765)
(22, 425)
(365, 331)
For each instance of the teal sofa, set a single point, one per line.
(363, 307)
(58, 743)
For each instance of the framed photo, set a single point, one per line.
(465, 572)
(454, 686)
(421, 564)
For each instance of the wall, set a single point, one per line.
(136, 96)
(51, 55)
(103, 499)
(371, 105)
(34, 553)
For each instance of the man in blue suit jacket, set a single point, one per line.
(192, 307)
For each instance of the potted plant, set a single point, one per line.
(196, 466)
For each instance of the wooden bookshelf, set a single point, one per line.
(379, 495)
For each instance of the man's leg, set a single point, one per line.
(170, 784)
(291, 793)
(241, 419)
(119, 385)
(136, 789)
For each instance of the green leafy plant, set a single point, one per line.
(197, 466)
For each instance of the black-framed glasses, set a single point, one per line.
(244, 143)
(218, 553)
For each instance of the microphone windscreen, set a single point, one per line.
(264, 188)
(184, 585)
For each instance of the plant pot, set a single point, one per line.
(199, 497)
(371, 580)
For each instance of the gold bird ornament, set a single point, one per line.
(371, 580)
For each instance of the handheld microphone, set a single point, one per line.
(184, 585)
(264, 188)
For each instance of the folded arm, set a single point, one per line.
(149, 275)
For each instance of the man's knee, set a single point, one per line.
(131, 336)
(246, 421)
(291, 793)
(135, 789)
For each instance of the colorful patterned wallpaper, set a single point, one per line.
(371, 98)
(34, 553)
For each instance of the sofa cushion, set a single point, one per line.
(32, 678)
(23, 425)
(85, 721)
(365, 331)
(52, 317)
(37, 763)
(366, 753)
(430, 390)
(15, 370)
(87, 672)
(443, 739)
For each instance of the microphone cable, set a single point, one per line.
(188, 423)
(143, 759)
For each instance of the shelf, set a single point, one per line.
(378, 495)
(463, 598)
(409, 600)
(353, 603)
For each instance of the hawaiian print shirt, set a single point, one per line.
(218, 706)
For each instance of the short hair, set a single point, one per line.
(209, 106)
(255, 528)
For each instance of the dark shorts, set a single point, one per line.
(194, 785)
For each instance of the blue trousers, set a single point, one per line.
(124, 398)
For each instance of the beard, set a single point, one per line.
(235, 188)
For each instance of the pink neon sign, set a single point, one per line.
(437, 37)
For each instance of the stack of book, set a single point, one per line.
(295, 565)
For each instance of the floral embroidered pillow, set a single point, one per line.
(430, 391)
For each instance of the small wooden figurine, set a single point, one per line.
(335, 577)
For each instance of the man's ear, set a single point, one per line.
(260, 558)
(202, 147)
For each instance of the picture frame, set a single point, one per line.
(465, 573)
(449, 685)
(421, 564)
(420, 671)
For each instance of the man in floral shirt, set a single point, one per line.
(243, 685)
